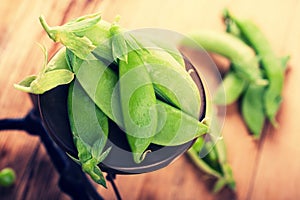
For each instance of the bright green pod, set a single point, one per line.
(240, 54)
(176, 127)
(253, 109)
(271, 64)
(172, 82)
(89, 126)
(138, 103)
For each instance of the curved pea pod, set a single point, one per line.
(138, 103)
(175, 127)
(232, 87)
(53, 74)
(253, 109)
(240, 54)
(89, 127)
(271, 64)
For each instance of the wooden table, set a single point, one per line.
(268, 169)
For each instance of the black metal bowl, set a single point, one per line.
(53, 110)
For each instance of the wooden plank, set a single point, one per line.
(278, 175)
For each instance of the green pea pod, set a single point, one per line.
(99, 82)
(138, 104)
(253, 109)
(232, 87)
(212, 156)
(241, 55)
(89, 127)
(172, 82)
(177, 128)
(193, 153)
(167, 70)
(214, 163)
(55, 73)
(163, 44)
(270, 63)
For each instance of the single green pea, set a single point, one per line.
(7, 177)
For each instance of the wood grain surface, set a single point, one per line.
(265, 169)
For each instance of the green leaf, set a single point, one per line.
(98, 147)
(119, 48)
(134, 43)
(82, 23)
(66, 34)
(80, 46)
(53, 74)
(103, 155)
(51, 79)
(24, 85)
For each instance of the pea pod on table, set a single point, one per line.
(242, 56)
(271, 64)
(214, 162)
(253, 109)
(124, 97)
(232, 88)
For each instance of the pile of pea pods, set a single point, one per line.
(254, 80)
(114, 75)
(256, 75)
